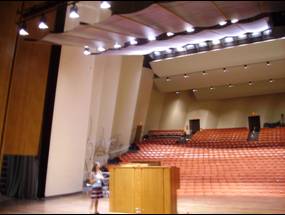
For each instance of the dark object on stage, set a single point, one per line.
(115, 160)
(272, 125)
(134, 147)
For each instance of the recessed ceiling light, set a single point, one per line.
(212, 88)
(86, 51)
(105, 5)
(195, 90)
(216, 42)
(234, 21)
(204, 73)
(177, 92)
(229, 39)
(42, 24)
(245, 66)
(168, 79)
(73, 13)
(23, 30)
(250, 83)
(186, 76)
(224, 69)
(133, 41)
(268, 63)
(203, 44)
(190, 29)
(117, 46)
(222, 23)
(230, 85)
(101, 49)
(151, 38)
(169, 34)
(271, 80)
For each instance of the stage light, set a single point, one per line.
(73, 13)
(234, 21)
(222, 23)
(105, 5)
(23, 30)
(169, 34)
(190, 29)
(42, 24)
(86, 51)
(117, 46)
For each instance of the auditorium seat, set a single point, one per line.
(222, 162)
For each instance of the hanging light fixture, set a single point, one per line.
(105, 5)
(23, 30)
(73, 13)
(43, 24)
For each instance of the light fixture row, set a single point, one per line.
(168, 79)
(73, 14)
(250, 83)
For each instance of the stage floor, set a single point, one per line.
(79, 203)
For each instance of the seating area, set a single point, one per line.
(231, 167)
(272, 135)
(166, 133)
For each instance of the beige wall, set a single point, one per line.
(126, 101)
(143, 101)
(179, 109)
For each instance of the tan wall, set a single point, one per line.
(146, 84)
(126, 100)
(179, 109)
(155, 110)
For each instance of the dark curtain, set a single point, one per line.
(22, 177)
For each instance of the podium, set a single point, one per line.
(140, 188)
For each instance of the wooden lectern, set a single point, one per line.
(140, 188)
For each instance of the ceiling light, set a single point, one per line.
(222, 23)
(212, 88)
(180, 49)
(268, 63)
(23, 30)
(271, 80)
(169, 34)
(177, 92)
(190, 46)
(73, 13)
(256, 34)
(204, 73)
(242, 36)
(105, 5)
(215, 42)
(101, 49)
(234, 21)
(186, 76)
(245, 66)
(225, 70)
(42, 24)
(195, 90)
(229, 39)
(151, 38)
(168, 51)
(250, 83)
(203, 44)
(267, 32)
(156, 53)
(230, 85)
(190, 29)
(86, 51)
(168, 79)
(133, 41)
(117, 46)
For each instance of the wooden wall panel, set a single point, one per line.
(27, 95)
(8, 37)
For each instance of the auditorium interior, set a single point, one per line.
(181, 102)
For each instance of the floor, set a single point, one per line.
(79, 203)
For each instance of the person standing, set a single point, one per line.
(96, 180)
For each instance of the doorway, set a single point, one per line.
(194, 125)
